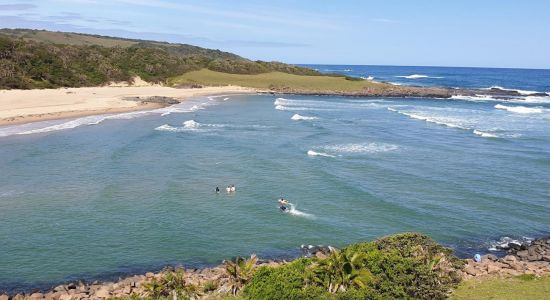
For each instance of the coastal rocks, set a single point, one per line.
(4, 297)
(319, 251)
(528, 258)
(154, 99)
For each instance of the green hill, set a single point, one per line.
(45, 59)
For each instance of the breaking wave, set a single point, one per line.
(521, 109)
(314, 153)
(194, 126)
(297, 117)
(419, 76)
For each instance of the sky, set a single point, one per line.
(481, 33)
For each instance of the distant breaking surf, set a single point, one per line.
(419, 76)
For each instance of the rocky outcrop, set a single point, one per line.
(395, 91)
(154, 99)
(528, 258)
(136, 285)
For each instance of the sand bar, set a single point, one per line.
(25, 106)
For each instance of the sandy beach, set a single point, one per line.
(25, 106)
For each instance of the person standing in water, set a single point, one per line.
(217, 190)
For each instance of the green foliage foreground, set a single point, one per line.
(404, 266)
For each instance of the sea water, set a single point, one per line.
(103, 196)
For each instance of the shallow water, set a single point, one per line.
(133, 193)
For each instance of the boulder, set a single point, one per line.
(65, 296)
(534, 257)
(18, 297)
(149, 275)
(490, 257)
(36, 296)
(514, 246)
(320, 255)
(470, 270)
(510, 258)
(4, 297)
(71, 286)
(102, 293)
(492, 269)
(522, 254)
(59, 288)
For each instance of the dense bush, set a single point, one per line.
(26, 64)
(285, 282)
(404, 266)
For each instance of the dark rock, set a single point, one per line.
(59, 288)
(515, 246)
(71, 286)
(491, 257)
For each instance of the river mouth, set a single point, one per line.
(140, 192)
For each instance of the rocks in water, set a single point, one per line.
(154, 99)
(311, 250)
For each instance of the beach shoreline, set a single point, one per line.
(27, 106)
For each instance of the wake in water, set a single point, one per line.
(292, 210)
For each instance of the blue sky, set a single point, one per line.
(486, 33)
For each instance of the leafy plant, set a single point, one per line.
(171, 283)
(240, 271)
(340, 271)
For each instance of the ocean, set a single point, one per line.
(105, 196)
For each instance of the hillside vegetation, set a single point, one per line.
(42, 59)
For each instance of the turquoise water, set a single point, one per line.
(136, 191)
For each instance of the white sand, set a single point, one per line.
(24, 106)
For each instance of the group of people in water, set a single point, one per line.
(230, 189)
(283, 203)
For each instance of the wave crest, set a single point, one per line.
(520, 109)
(297, 117)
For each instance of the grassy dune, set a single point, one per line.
(521, 288)
(277, 81)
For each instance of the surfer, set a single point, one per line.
(232, 187)
(217, 190)
(228, 189)
(283, 204)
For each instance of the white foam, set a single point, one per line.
(419, 76)
(445, 121)
(522, 92)
(485, 134)
(191, 124)
(520, 109)
(169, 128)
(367, 78)
(517, 99)
(297, 117)
(314, 153)
(360, 148)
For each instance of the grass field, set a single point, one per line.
(522, 288)
(276, 80)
